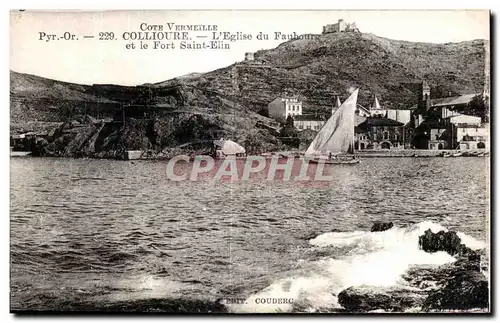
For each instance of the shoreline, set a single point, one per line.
(407, 153)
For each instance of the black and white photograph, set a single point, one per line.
(250, 162)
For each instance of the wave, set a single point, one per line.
(372, 258)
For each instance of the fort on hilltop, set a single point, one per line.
(340, 26)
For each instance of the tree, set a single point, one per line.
(289, 134)
(288, 129)
(479, 106)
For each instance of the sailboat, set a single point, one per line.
(334, 143)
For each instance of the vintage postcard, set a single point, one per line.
(239, 161)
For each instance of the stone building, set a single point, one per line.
(280, 108)
(457, 132)
(312, 122)
(439, 108)
(249, 56)
(438, 124)
(467, 132)
(362, 111)
(403, 116)
(381, 133)
(376, 110)
(340, 26)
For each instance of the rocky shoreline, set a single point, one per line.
(459, 286)
(155, 137)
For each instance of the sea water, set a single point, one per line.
(100, 232)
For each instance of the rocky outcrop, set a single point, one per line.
(381, 226)
(157, 137)
(428, 277)
(460, 285)
(466, 289)
(442, 241)
(368, 298)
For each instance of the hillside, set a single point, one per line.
(230, 99)
(163, 120)
(318, 70)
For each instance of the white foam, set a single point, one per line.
(375, 258)
(338, 238)
(471, 242)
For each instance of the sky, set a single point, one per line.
(90, 61)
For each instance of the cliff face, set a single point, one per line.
(190, 110)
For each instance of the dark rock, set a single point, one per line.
(459, 285)
(471, 261)
(467, 289)
(428, 276)
(310, 235)
(368, 298)
(381, 226)
(442, 241)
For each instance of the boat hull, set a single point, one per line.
(20, 153)
(334, 162)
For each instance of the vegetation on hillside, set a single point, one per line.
(232, 101)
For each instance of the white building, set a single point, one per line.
(403, 116)
(465, 120)
(362, 111)
(282, 107)
(312, 122)
(472, 137)
(468, 132)
(376, 110)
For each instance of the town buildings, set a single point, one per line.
(381, 133)
(316, 121)
(362, 111)
(432, 123)
(280, 108)
(313, 122)
(403, 116)
(439, 125)
(376, 110)
(383, 128)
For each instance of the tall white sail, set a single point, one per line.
(337, 135)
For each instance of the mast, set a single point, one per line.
(337, 134)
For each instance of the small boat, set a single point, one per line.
(334, 142)
(20, 153)
(481, 155)
(225, 148)
(457, 154)
(446, 155)
(334, 161)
